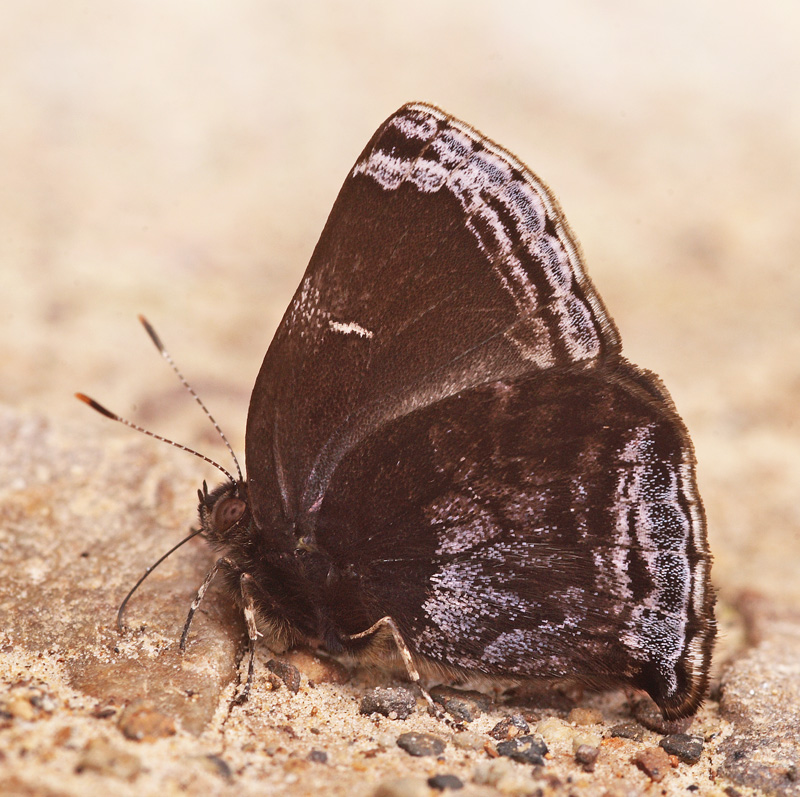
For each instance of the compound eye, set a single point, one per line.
(227, 512)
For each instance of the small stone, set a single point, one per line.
(288, 730)
(628, 730)
(319, 669)
(104, 712)
(586, 740)
(221, 766)
(467, 740)
(141, 722)
(654, 762)
(318, 756)
(488, 773)
(272, 682)
(555, 731)
(461, 706)
(505, 777)
(510, 728)
(586, 756)
(402, 787)
(44, 702)
(216, 765)
(649, 715)
(20, 708)
(395, 703)
(585, 716)
(101, 757)
(525, 749)
(420, 744)
(442, 782)
(288, 673)
(62, 736)
(687, 748)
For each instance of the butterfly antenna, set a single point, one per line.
(95, 405)
(168, 357)
(147, 572)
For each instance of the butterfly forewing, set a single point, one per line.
(444, 264)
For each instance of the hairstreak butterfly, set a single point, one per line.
(450, 463)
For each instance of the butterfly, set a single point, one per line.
(450, 464)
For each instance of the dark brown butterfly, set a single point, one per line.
(449, 460)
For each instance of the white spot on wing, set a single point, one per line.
(350, 328)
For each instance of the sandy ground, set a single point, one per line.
(179, 160)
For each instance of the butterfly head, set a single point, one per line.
(224, 512)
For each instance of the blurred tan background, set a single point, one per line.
(179, 160)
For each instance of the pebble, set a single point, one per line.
(216, 765)
(488, 773)
(648, 714)
(394, 703)
(104, 712)
(27, 702)
(467, 740)
(654, 762)
(101, 757)
(288, 673)
(555, 731)
(509, 728)
(288, 730)
(687, 748)
(525, 749)
(585, 716)
(20, 708)
(402, 787)
(44, 702)
(628, 730)
(420, 744)
(586, 756)
(318, 756)
(461, 706)
(442, 782)
(141, 722)
(62, 736)
(320, 670)
(586, 740)
(505, 777)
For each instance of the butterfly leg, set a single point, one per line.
(245, 584)
(405, 654)
(201, 593)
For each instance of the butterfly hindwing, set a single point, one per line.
(546, 526)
